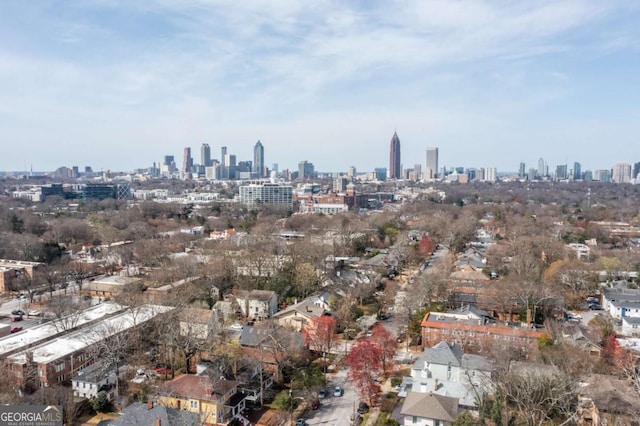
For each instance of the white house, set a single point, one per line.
(621, 302)
(445, 369)
(631, 326)
(257, 304)
(93, 379)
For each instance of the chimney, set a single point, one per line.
(149, 404)
(208, 390)
(437, 385)
(158, 422)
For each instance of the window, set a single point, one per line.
(61, 379)
(194, 405)
(60, 367)
(436, 423)
(415, 419)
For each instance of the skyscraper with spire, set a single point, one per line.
(258, 159)
(395, 167)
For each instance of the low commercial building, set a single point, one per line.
(266, 193)
(59, 360)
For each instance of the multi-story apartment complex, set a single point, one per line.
(266, 193)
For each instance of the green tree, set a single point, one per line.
(464, 419)
(101, 403)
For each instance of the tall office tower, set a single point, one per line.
(521, 173)
(352, 171)
(187, 163)
(380, 173)
(395, 167)
(305, 170)
(532, 174)
(577, 171)
(621, 173)
(417, 171)
(258, 159)
(636, 171)
(561, 172)
(588, 176)
(205, 155)
(542, 168)
(223, 153)
(275, 167)
(431, 165)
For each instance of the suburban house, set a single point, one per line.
(445, 369)
(429, 409)
(298, 315)
(150, 413)
(216, 401)
(631, 326)
(474, 330)
(94, 379)
(258, 304)
(621, 302)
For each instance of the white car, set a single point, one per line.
(34, 313)
(236, 326)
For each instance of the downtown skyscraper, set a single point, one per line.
(395, 166)
(205, 155)
(431, 165)
(258, 159)
(187, 162)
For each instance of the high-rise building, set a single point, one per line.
(258, 159)
(380, 173)
(431, 165)
(542, 168)
(395, 166)
(223, 153)
(187, 163)
(636, 171)
(351, 172)
(561, 172)
(621, 173)
(267, 193)
(305, 170)
(602, 175)
(205, 155)
(521, 173)
(490, 174)
(577, 171)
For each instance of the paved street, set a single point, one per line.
(335, 410)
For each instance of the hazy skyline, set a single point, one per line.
(119, 84)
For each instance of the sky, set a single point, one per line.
(117, 85)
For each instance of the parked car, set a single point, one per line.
(338, 391)
(35, 313)
(322, 393)
(162, 369)
(236, 326)
(315, 404)
(18, 312)
(16, 318)
(595, 307)
(16, 329)
(301, 422)
(363, 408)
(355, 419)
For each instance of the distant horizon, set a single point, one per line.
(120, 84)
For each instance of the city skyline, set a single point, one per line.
(120, 84)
